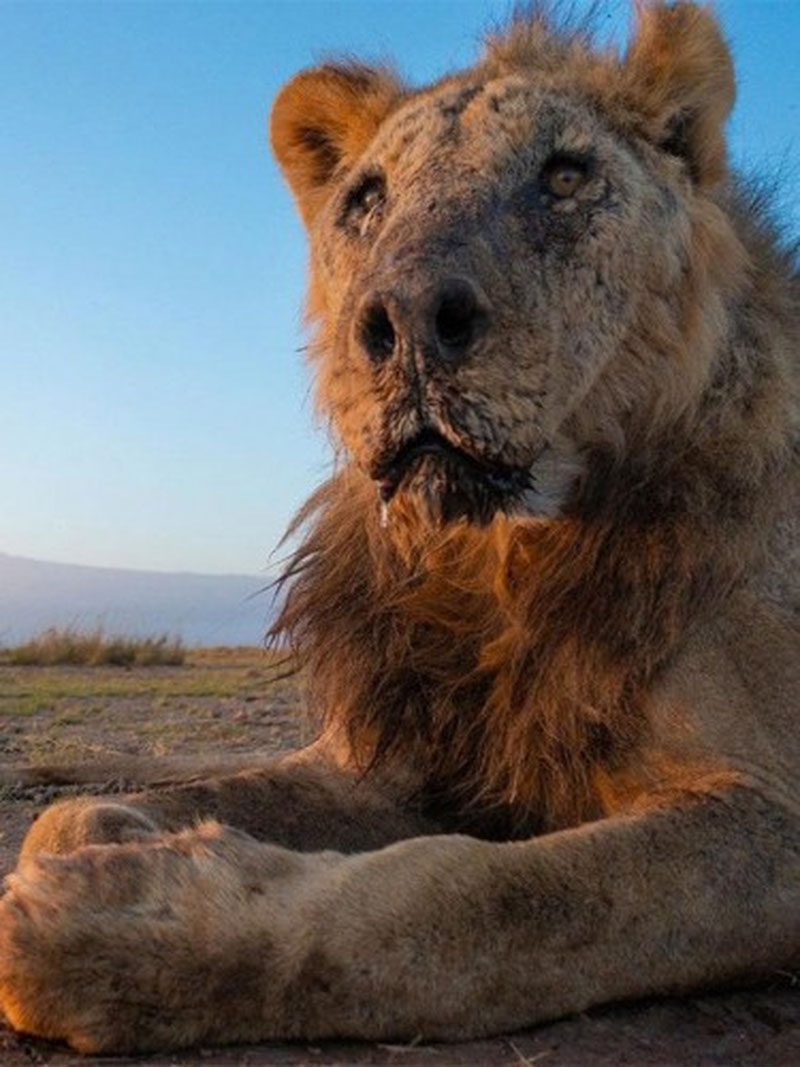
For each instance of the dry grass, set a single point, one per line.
(70, 646)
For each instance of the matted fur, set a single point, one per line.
(547, 609)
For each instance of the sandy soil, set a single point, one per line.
(121, 729)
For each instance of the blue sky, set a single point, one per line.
(154, 411)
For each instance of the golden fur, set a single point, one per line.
(510, 663)
(551, 596)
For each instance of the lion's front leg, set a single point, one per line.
(305, 802)
(211, 936)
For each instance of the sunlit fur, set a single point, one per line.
(558, 757)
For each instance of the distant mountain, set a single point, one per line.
(202, 609)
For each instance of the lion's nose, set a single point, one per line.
(441, 323)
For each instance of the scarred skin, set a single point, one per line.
(549, 608)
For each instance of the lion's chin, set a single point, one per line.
(446, 492)
(449, 483)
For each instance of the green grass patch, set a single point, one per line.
(208, 673)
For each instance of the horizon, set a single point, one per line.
(156, 571)
(155, 413)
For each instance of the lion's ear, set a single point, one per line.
(680, 75)
(324, 118)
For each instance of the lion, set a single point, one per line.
(548, 606)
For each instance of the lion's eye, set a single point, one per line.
(364, 200)
(371, 196)
(564, 177)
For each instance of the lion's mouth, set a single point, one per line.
(455, 483)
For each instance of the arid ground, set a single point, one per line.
(118, 729)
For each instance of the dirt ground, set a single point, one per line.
(117, 729)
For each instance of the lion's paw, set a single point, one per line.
(123, 947)
(80, 821)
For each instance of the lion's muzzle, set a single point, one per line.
(437, 323)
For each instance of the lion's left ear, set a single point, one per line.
(679, 74)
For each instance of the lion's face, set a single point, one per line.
(482, 268)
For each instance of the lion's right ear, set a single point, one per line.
(324, 118)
